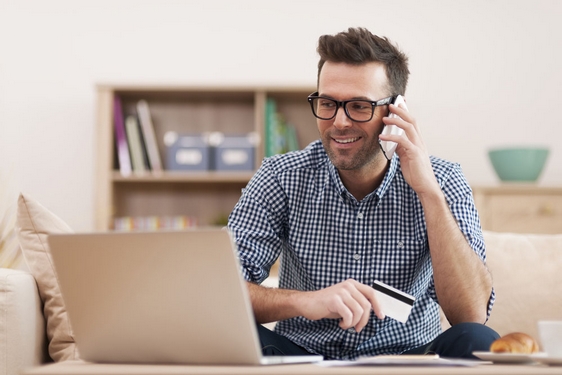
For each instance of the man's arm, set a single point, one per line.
(463, 283)
(349, 301)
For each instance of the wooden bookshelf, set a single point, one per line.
(208, 196)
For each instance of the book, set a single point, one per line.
(143, 145)
(149, 136)
(121, 138)
(280, 136)
(270, 127)
(153, 223)
(135, 146)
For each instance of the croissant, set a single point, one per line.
(516, 342)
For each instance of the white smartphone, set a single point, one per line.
(389, 147)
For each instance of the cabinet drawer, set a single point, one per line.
(523, 213)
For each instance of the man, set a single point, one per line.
(340, 216)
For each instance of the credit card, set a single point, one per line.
(394, 303)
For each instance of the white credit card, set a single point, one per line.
(394, 302)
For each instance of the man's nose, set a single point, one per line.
(341, 120)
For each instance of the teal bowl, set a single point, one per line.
(518, 164)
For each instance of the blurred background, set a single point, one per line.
(484, 74)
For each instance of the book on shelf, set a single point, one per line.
(121, 138)
(143, 145)
(149, 136)
(135, 145)
(153, 223)
(280, 136)
(270, 124)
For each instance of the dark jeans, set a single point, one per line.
(459, 341)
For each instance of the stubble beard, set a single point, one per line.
(346, 160)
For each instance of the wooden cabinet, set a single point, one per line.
(520, 208)
(208, 196)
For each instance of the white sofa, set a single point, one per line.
(527, 272)
(23, 341)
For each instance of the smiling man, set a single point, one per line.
(340, 216)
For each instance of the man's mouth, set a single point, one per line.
(346, 140)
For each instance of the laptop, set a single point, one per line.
(159, 297)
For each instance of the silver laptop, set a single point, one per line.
(160, 297)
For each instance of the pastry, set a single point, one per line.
(516, 342)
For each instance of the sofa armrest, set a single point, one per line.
(22, 326)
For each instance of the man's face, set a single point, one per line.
(353, 145)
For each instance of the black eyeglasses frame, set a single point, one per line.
(343, 104)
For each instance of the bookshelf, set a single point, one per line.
(209, 196)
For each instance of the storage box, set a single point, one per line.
(187, 152)
(234, 152)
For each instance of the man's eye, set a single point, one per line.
(327, 104)
(359, 106)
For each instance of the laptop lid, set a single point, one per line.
(158, 297)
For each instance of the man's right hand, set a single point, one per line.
(350, 301)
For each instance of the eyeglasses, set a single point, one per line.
(357, 110)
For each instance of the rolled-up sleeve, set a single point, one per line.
(256, 223)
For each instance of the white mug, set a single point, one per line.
(550, 332)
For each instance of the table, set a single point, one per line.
(83, 368)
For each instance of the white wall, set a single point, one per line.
(484, 73)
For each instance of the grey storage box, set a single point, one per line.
(234, 152)
(187, 152)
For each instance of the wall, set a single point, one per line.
(484, 73)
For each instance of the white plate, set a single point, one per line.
(545, 360)
(509, 357)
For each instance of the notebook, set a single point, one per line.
(158, 297)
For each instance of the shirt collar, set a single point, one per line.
(380, 191)
(388, 177)
(335, 176)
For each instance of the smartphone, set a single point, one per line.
(389, 147)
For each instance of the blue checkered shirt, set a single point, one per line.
(296, 207)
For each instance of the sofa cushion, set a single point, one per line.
(527, 273)
(22, 326)
(35, 223)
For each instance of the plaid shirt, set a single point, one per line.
(296, 208)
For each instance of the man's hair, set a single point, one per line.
(358, 46)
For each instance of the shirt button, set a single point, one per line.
(400, 244)
(351, 330)
(360, 215)
(356, 256)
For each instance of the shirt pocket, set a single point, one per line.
(397, 262)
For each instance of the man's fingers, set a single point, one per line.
(405, 122)
(345, 308)
(362, 300)
(348, 307)
(377, 308)
(374, 304)
(349, 301)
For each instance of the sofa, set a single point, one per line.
(34, 329)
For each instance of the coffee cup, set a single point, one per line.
(550, 332)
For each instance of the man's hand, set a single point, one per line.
(349, 301)
(414, 158)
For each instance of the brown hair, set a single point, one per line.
(358, 46)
